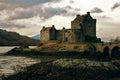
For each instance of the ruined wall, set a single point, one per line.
(73, 36)
(78, 35)
(68, 35)
(59, 35)
(44, 36)
(75, 25)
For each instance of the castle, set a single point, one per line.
(83, 29)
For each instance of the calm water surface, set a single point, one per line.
(4, 49)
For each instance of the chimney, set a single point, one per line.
(88, 13)
(53, 26)
(43, 27)
(63, 27)
(77, 15)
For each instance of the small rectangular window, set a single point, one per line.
(66, 39)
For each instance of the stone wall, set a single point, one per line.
(81, 27)
(72, 36)
(86, 23)
(53, 34)
(44, 36)
(60, 35)
(76, 23)
(90, 28)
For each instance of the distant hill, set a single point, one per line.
(15, 39)
(36, 37)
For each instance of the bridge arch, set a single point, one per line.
(115, 52)
(106, 51)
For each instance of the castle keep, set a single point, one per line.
(83, 29)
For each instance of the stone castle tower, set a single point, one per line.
(83, 29)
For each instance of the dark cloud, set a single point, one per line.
(17, 10)
(71, 8)
(4, 6)
(96, 10)
(12, 4)
(71, 1)
(29, 1)
(68, 7)
(11, 25)
(44, 13)
(50, 12)
(20, 14)
(116, 5)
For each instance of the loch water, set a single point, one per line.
(13, 64)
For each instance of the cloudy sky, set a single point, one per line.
(28, 16)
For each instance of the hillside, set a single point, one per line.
(15, 39)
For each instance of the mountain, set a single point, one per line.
(15, 39)
(36, 37)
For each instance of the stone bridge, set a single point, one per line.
(109, 49)
(112, 49)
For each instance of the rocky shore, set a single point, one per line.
(67, 65)
(70, 69)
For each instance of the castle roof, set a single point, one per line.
(80, 18)
(47, 28)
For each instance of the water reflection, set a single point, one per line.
(10, 65)
(5, 49)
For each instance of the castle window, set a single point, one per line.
(66, 39)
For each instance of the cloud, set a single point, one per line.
(19, 13)
(29, 1)
(77, 9)
(116, 5)
(71, 1)
(68, 7)
(113, 24)
(71, 8)
(103, 17)
(50, 12)
(9, 25)
(96, 10)
(43, 12)
(4, 6)
(12, 4)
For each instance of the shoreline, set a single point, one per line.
(68, 65)
(69, 69)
